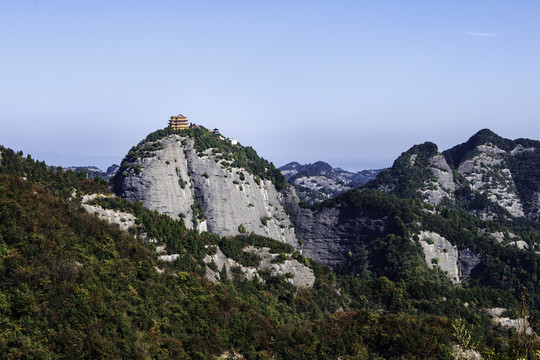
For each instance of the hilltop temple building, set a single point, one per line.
(179, 122)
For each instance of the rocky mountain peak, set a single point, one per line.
(425, 149)
(488, 174)
(484, 137)
(207, 182)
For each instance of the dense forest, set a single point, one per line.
(74, 286)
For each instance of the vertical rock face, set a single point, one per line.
(438, 251)
(157, 183)
(329, 234)
(176, 180)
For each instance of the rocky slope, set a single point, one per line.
(319, 181)
(488, 176)
(297, 274)
(505, 171)
(439, 252)
(204, 187)
(124, 220)
(99, 291)
(489, 173)
(330, 233)
(421, 172)
(334, 232)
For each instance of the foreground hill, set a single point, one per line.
(319, 181)
(85, 274)
(75, 286)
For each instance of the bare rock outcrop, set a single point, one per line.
(298, 274)
(444, 186)
(204, 190)
(123, 220)
(488, 173)
(330, 233)
(438, 251)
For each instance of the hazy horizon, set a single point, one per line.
(103, 162)
(351, 83)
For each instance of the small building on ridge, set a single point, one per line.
(179, 122)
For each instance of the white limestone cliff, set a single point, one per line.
(175, 179)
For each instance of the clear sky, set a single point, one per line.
(353, 83)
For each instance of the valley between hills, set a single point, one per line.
(195, 247)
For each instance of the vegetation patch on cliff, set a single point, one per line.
(236, 156)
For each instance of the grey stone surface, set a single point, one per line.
(301, 274)
(488, 173)
(445, 185)
(123, 220)
(520, 324)
(228, 200)
(521, 149)
(438, 251)
(468, 261)
(329, 234)
(168, 258)
(157, 186)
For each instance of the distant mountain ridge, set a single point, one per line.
(320, 181)
(93, 171)
(487, 174)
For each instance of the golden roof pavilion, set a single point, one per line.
(179, 122)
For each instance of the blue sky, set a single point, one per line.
(353, 83)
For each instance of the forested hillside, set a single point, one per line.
(74, 286)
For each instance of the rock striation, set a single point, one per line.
(329, 234)
(207, 192)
